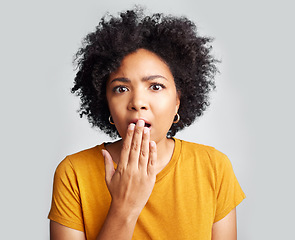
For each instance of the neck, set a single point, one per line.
(165, 149)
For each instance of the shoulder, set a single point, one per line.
(201, 150)
(203, 155)
(86, 154)
(85, 158)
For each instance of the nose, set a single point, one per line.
(138, 101)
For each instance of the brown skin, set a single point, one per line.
(226, 228)
(141, 91)
(143, 88)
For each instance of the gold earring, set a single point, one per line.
(111, 120)
(177, 118)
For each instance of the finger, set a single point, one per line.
(144, 152)
(136, 143)
(124, 156)
(152, 158)
(109, 166)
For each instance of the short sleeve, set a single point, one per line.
(66, 204)
(229, 194)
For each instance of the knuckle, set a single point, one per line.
(153, 150)
(131, 172)
(135, 146)
(129, 133)
(138, 130)
(120, 171)
(125, 146)
(143, 153)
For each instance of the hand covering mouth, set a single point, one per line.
(146, 124)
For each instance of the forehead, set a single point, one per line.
(142, 63)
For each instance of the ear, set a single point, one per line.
(177, 101)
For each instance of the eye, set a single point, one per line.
(120, 89)
(157, 86)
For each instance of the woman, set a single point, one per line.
(143, 78)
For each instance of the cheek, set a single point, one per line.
(117, 110)
(113, 104)
(166, 106)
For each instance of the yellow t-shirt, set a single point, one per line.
(197, 188)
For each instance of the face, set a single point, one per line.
(143, 88)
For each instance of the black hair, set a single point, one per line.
(174, 39)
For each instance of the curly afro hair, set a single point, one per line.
(173, 39)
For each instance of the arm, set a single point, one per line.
(130, 186)
(226, 228)
(60, 232)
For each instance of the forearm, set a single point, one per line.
(131, 184)
(118, 225)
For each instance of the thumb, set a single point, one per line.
(109, 166)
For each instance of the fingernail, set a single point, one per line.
(140, 123)
(146, 130)
(153, 144)
(131, 126)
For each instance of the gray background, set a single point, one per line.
(250, 119)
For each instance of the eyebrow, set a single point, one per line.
(148, 78)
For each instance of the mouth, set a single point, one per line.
(146, 124)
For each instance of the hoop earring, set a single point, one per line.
(177, 118)
(111, 120)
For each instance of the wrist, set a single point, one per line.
(123, 214)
